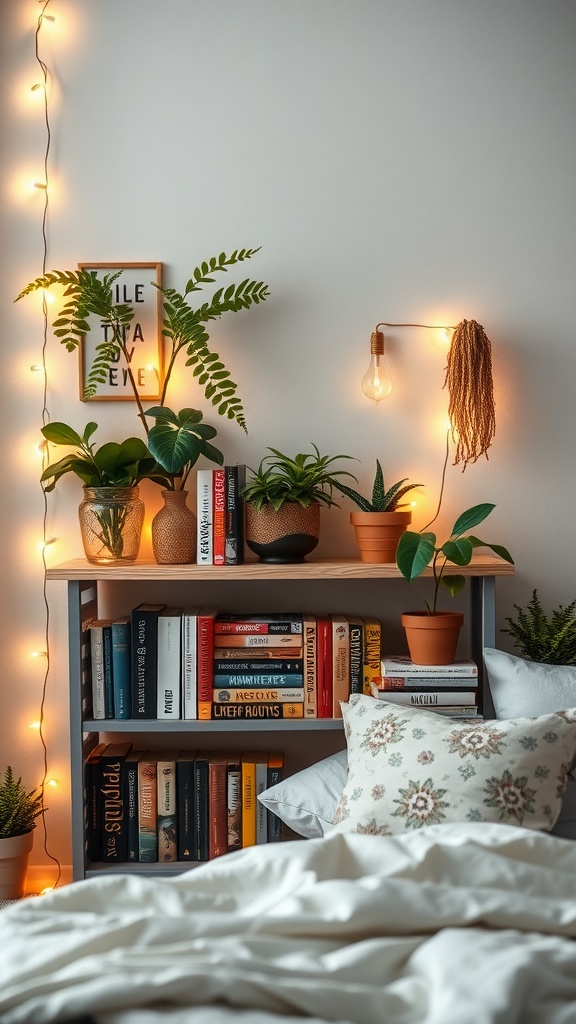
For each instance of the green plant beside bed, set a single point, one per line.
(18, 807)
(381, 500)
(548, 639)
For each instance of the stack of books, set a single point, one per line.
(450, 690)
(166, 806)
(258, 666)
(220, 515)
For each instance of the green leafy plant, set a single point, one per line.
(183, 325)
(382, 500)
(18, 807)
(112, 465)
(548, 639)
(302, 479)
(417, 551)
(177, 440)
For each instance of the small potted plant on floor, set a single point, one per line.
(283, 499)
(19, 810)
(382, 519)
(111, 514)
(432, 635)
(547, 639)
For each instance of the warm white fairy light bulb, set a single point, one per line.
(376, 382)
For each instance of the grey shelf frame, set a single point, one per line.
(85, 732)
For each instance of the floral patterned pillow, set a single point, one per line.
(408, 768)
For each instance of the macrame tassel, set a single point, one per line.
(469, 380)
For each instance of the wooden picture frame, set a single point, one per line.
(135, 287)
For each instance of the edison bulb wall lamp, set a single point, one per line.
(377, 382)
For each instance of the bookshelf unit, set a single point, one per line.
(90, 586)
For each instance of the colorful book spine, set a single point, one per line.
(263, 624)
(275, 775)
(340, 662)
(144, 659)
(258, 654)
(310, 672)
(235, 479)
(372, 653)
(205, 655)
(426, 698)
(234, 803)
(398, 665)
(189, 663)
(185, 795)
(248, 768)
(259, 667)
(113, 820)
(120, 630)
(217, 804)
(258, 695)
(324, 667)
(279, 641)
(258, 680)
(169, 663)
(204, 516)
(97, 666)
(356, 625)
(108, 680)
(250, 711)
(147, 808)
(219, 517)
(167, 807)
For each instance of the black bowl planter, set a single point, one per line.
(282, 536)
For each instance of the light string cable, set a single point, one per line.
(45, 418)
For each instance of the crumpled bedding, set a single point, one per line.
(449, 924)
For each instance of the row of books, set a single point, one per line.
(168, 806)
(451, 690)
(197, 663)
(220, 515)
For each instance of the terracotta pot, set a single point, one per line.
(378, 533)
(287, 535)
(14, 854)
(432, 639)
(174, 530)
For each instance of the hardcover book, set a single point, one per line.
(130, 797)
(310, 640)
(169, 663)
(257, 680)
(144, 644)
(401, 682)
(185, 795)
(147, 808)
(113, 820)
(248, 711)
(426, 698)
(340, 662)
(261, 785)
(235, 479)
(97, 664)
(279, 641)
(120, 630)
(324, 666)
(167, 807)
(280, 622)
(275, 775)
(92, 803)
(399, 665)
(190, 663)
(205, 656)
(248, 766)
(234, 802)
(372, 652)
(217, 803)
(108, 683)
(219, 516)
(258, 695)
(258, 654)
(202, 816)
(232, 667)
(356, 624)
(204, 516)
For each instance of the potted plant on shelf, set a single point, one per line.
(283, 499)
(432, 635)
(177, 441)
(19, 810)
(382, 519)
(111, 514)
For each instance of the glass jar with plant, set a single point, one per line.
(382, 518)
(420, 551)
(283, 499)
(111, 514)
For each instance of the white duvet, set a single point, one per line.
(453, 924)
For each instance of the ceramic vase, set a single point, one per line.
(174, 530)
(282, 536)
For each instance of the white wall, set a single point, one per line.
(402, 160)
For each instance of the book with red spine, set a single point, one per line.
(279, 622)
(217, 804)
(324, 666)
(278, 641)
(340, 662)
(219, 516)
(205, 660)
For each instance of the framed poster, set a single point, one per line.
(135, 287)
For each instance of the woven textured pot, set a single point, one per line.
(432, 639)
(174, 530)
(14, 854)
(378, 533)
(287, 535)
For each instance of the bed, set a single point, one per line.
(442, 922)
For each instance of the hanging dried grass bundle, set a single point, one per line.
(469, 380)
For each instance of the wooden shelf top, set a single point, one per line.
(319, 569)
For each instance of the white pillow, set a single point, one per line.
(408, 768)
(521, 687)
(306, 801)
